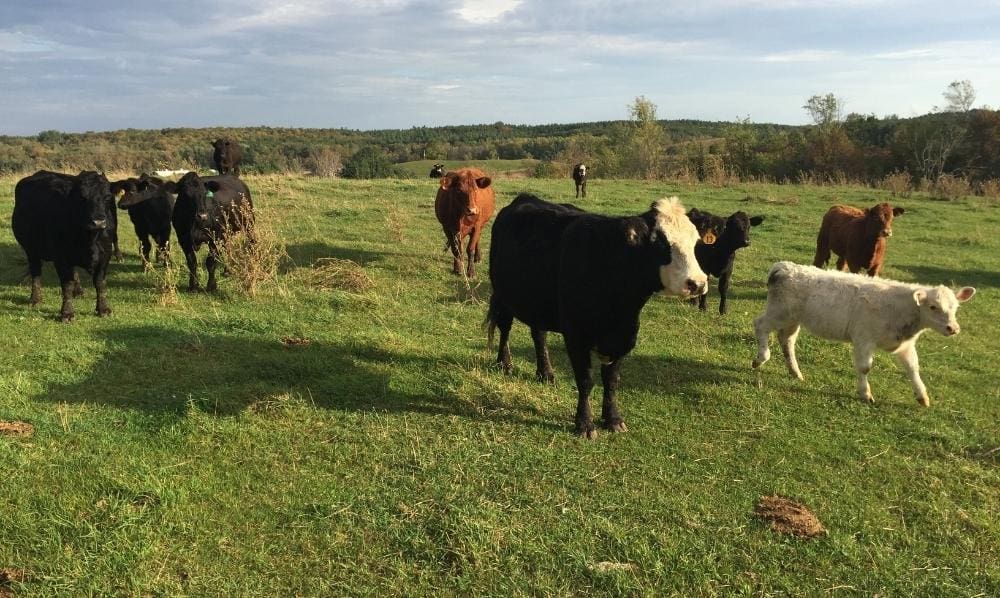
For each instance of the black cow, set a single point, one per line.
(437, 171)
(716, 250)
(580, 177)
(207, 210)
(560, 269)
(65, 219)
(227, 156)
(149, 206)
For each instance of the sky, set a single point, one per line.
(97, 65)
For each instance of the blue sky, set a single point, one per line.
(106, 64)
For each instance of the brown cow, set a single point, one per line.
(858, 237)
(463, 206)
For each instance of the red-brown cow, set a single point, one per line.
(858, 237)
(464, 205)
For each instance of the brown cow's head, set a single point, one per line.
(878, 219)
(463, 186)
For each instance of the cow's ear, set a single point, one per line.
(213, 186)
(919, 296)
(117, 187)
(483, 182)
(445, 182)
(756, 220)
(632, 236)
(965, 293)
(897, 211)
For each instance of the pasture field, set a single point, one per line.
(317, 440)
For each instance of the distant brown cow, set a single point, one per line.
(464, 205)
(858, 237)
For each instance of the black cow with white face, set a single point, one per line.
(69, 221)
(437, 171)
(227, 156)
(150, 206)
(716, 250)
(207, 210)
(560, 269)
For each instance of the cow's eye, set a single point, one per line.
(933, 308)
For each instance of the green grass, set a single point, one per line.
(184, 450)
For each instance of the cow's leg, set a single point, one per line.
(874, 269)
(100, 278)
(578, 191)
(192, 263)
(503, 320)
(583, 188)
(543, 366)
(472, 251)
(787, 337)
(162, 251)
(210, 264)
(842, 264)
(863, 354)
(723, 291)
(35, 270)
(763, 326)
(907, 357)
(67, 278)
(822, 250)
(146, 247)
(579, 356)
(610, 415)
(455, 245)
(116, 250)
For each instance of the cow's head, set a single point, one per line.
(191, 189)
(737, 229)
(878, 219)
(93, 194)
(709, 226)
(938, 306)
(136, 190)
(464, 186)
(674, 238)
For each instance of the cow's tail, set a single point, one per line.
(490, 323)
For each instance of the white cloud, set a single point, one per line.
(803, 56)
(486, 11)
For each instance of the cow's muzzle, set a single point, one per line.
(696, 288)
(98, 224)
(201, 217)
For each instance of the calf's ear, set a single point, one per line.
(897, 211)
(483, 182)
(965, 293)
(756, 220)
(445, 182)
(919, 295)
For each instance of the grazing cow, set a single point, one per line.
(858, 237)
(557, 268)
(149, 206)
(227, 156)
(65, 219)
(437, 171)
(464, 205)
(207, 210)
(716, 250)
(580, 177)
(869, 313)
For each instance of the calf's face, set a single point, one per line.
(464, 191)
(681, 275)
(879, 219)
(737, 229)
(938, 306)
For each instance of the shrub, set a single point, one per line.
(251, 256)
(369, 163)
(898, 183)
(951, 187)
(325, 162)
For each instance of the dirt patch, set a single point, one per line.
(787, 516)
(21, 429)
(295, 341)
(8, 577)
(611, 566)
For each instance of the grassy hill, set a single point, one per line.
(334, 437)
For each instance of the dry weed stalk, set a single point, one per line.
(252, 254)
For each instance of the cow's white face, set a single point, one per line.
(682, 276)
(939, 305)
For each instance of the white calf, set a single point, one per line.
(868, 312)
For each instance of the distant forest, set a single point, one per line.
(962, 145)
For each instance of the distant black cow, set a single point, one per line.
(65, 219)
(437, 171)
(716, 250)
(207, 210)
(227, 156)
(580, 176)
(149, 206)
(557, 268)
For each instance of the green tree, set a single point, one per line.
(646, 139)
(369, 163)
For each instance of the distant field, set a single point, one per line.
(422, 168)
(323, 441)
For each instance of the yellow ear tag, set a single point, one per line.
(709, 238)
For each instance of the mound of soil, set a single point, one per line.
(16, 428)
(295, 341)
(787, 516)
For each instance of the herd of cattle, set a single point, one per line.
(554, 267)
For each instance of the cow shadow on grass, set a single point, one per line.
(951, 277)
(303, 255)
(165, 373)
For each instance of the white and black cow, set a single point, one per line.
(207, 210)
(69, 221)
(149, 206)
(580, 177)
(870, 313)
(437, 171)
(557, 268)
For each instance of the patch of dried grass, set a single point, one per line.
(19, 429)
(251, 255)
(330, 273)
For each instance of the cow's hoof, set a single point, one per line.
(589, 433)
(756, 364)
(546, 376)
(104, 312)
(616, 426)
(211, 288)
(924, 401)
(868, 399)
(77, 293)
(194, 288)
(66, 318)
